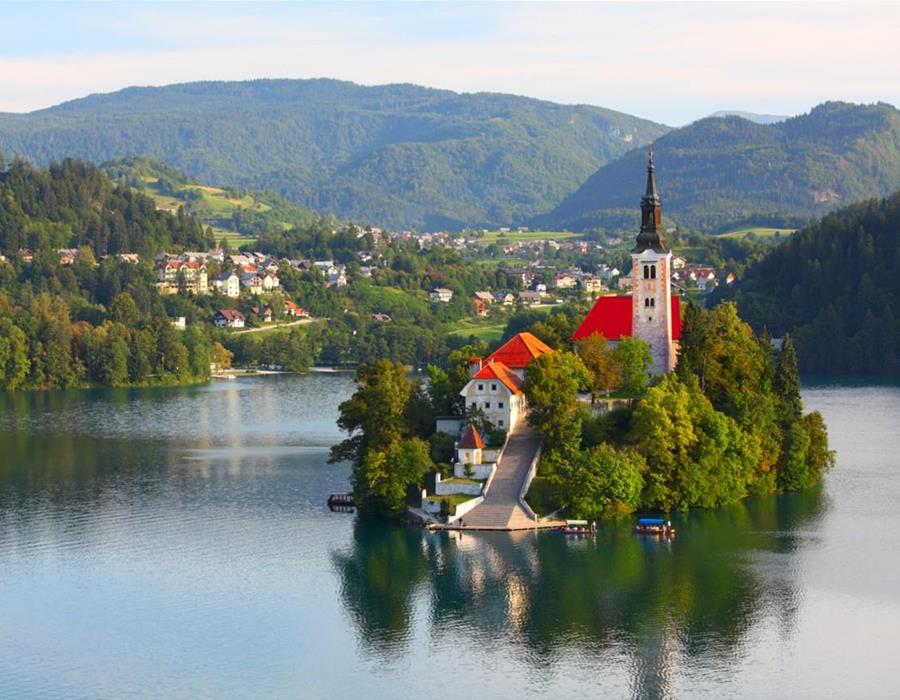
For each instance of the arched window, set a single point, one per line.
(653, 272)
(646, 272)
(652, 302)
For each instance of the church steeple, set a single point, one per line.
(651, 236)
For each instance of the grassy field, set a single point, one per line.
(515, 236)
(758, 231)
(486, 331)
(214, 205)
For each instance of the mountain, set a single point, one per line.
(835, 286)
(752, 116)
(719, 172)
(397, 155)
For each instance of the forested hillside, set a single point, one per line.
(395, 155)
(97, 320)
(835, 286)
(719, 172)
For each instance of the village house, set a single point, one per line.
(651, 313)
(496, 381)
(25, 255)
(174, 275)
(381, 317)
(229, 284)
(260, 282)
(485, 297)
(230, 318)
(441, 294)
(67, 256)
(564, 280)
(180, 323)
(530, 298)
(480, 307)
(291, 309)
(591, 284)
(265, 313)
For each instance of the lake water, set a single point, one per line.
(175, 544)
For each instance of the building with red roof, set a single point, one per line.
(650, 312)
(495, 387)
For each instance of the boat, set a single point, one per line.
(342, 502)
(579, 527)
(655, 526)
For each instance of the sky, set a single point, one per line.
(670, 62)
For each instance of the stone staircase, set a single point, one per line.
(500, 509)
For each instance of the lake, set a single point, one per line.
(174, 543)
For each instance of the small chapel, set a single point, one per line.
(651, 313)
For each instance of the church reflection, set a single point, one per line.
(655, 604)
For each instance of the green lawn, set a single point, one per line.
(487, 332)
(758, 231)
(467, 482)
(515, 236)
(453, 499)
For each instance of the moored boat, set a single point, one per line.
(579, 527)
(655, 526)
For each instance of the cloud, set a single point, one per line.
(670, 62)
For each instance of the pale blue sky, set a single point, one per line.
(671, 62)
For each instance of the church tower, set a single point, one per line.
(651, 296)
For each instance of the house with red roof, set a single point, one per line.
(495, 386)
(651, 312)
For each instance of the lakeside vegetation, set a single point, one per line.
(727, 424)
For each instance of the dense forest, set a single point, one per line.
(835, 286)
(720, 172)
(97, 320)
(392, 155)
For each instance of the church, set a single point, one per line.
(651, 312)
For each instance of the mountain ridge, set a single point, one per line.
(399, 155)
(724, 171)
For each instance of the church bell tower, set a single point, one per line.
(651, 295)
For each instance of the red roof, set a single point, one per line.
(471, 440)
(611, 318)
(499, 371)
(519, 350)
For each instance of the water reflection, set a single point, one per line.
(658, 605)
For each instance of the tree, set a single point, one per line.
(552, 382)
(787, 381)
(14, 361)
(602, 363)
(634, 358)
(598, 483)
(221, 356)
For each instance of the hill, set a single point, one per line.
(752, 116)
(396, 155)
(234, 214)
(723, 172)
(835, 286)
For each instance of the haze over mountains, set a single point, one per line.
(409, 156)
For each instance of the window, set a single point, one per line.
(646, 272)
(487, 404)
(500, 422)
(499, 404)
(493, 387)
(652, 302)
(653, 272)
(646, 302)
(481, 387)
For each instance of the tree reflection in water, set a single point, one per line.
(655, 603)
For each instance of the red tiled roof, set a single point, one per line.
(471, 440)
(519, 350)
(499, 371)
(611, 318)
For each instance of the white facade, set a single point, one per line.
(500, 405)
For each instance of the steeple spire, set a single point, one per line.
(651, 236)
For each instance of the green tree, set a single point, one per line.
(787, 381)
(602, 363)
(634, 358)
(552, 382)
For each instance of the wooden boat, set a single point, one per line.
(579, 527)
(655, 526)
(341, 502)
